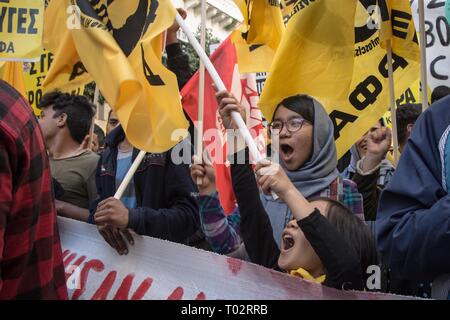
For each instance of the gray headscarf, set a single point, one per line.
(313, 176)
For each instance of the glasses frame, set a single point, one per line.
(283, 124)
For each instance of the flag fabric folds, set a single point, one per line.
(258, 37)
(335, 52)
(243, 87)
(118, 45)
(12, 72)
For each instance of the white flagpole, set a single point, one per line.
(392, 101)
(129, 175)
(201, 91)
(423, 55)
(220, 86)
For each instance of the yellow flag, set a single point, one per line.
(12, 72)
(257, 39)
(332, 51)
(67, 72)
(286, 8)
(21, 26)
(119, 45)
(251, 58)
(264, 22)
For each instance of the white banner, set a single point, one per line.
(158, 269)
(437, 35)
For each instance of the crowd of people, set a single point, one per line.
(331, 220)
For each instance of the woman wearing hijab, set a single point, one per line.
(308, 156)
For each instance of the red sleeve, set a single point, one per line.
(5, 198)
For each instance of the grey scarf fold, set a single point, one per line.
(313, 177)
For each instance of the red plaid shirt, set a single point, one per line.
(31, 264)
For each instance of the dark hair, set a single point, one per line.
(355, 232)
(78, 109)
(406, 114)
(100, 135)
(439, 93)
(301, 104)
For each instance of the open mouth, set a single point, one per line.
(288, 241)
(286, 151)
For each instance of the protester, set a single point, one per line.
(222, 234)
(65, 121)
(112, 123)
(359, 151)
(324, 242)
(31, 265)
(159, 200)
(413, 230)
(406, 117)
(308, 155)
(98, 141)
(369, 168)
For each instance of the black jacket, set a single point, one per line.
(166, 207)
(342, 265)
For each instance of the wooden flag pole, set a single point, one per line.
(423, 56)
(91, 130)
(201, 92)
(392, 101)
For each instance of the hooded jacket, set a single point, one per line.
(413, 222)
(166, 207)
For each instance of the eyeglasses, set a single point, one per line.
(292, 125)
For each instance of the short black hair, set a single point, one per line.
(439, 93)
(406, 114)
(301, 104)
(355, 232)
(79, 111)
(100, 135)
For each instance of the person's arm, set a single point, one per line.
(180, 219)
(99, 192)
(177, 60)
(368, 170)
(6, 198)
(256, 230)
(69, 210)
(221, 232)
(367, 186)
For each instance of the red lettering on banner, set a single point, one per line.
(65, 253)
(234, 265)
(94, 264)
(123, 292)
(200, 296)
(69, 259)
(124, 289)
(177, 294)
(105, 287)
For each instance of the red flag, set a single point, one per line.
(243, 87)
